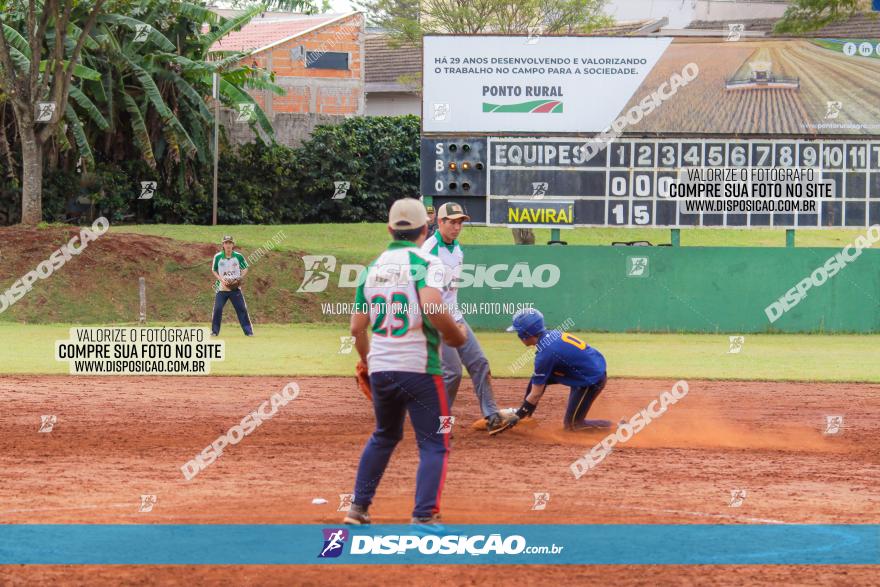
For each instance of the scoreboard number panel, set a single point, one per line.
(625, 183)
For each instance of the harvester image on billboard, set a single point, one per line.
(768, 87)
(758, 74)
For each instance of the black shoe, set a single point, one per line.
(499, 422)
(591, 425)
(434, 519)
(357, 515)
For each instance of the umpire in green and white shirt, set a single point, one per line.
(444, 244)
(229, 267)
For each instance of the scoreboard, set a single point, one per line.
(566, 131)
(626, 183)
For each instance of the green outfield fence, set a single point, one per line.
(681, 289)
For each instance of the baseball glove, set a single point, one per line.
(233, 284)
(362, 376)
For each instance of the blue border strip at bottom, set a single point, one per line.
(640, 544)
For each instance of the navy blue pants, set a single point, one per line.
(580, 399)
(237, 299)
(424, 396)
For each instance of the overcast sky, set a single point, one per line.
(676, 10)
(620, 9)
(341, 5)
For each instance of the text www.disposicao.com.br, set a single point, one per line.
(140, 367)
(696, 206)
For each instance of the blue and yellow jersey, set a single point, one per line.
(565, 359)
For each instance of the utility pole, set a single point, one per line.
(216, 95)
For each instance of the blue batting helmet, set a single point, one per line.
(527, 322)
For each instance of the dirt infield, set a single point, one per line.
(116, 439)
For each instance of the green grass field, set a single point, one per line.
(180, 282)
(314, 350)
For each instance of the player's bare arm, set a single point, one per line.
(535, 395)
(360, 322)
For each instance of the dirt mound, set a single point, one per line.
(100, 285)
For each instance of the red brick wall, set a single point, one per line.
(323, 91)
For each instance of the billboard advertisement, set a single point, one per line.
(556, 84)
(652, 85)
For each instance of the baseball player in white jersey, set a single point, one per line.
(399, 300)
(229, 267)
(444, 244)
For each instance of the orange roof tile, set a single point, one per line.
(259, 35)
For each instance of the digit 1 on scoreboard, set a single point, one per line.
(620, 155)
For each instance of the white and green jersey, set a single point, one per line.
(228, 267)
(452, 257)
(403, 340)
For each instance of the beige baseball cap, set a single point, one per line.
(407, 213)
(452, 211)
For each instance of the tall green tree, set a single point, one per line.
(304, 6)
(408, 20)
(41, 45)
(804, 16)
(139, 87)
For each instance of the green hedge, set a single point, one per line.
(257, 184)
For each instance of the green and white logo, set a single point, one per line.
(530, 107)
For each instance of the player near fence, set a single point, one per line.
(564, 359)
(404, 311)
(229, 269)
(444, 244)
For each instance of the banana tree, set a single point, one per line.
(142, 85)
(155, 82)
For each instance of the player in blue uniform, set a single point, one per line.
(564, 359)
